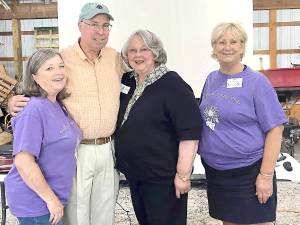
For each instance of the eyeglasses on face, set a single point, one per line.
(97, 26)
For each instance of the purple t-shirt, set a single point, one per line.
(237, 112)
(44, 130)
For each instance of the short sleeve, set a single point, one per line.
(183, 110)
(121, 65)
(267, 107)
(28, 134)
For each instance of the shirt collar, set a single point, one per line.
(82, 54)
(157, 73)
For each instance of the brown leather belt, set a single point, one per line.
(97, 141)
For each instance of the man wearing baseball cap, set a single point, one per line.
(94, 83)
(94, 73)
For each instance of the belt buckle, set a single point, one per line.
(95, 141)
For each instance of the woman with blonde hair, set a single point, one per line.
(241, 134)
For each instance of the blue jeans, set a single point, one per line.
(38, 220)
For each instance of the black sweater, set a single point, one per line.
(147, 144)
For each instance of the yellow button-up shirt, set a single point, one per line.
(95, 90)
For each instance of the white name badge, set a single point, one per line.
(124, 89)
(235, 83)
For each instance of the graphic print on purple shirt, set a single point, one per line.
(236, 119)
(211, 116)
(46, 131)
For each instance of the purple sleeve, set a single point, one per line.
(28, 134)
(268, 110)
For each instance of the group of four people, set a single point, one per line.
(92, 112)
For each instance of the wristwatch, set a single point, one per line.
(183, 178)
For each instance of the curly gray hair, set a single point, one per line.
(152, 42)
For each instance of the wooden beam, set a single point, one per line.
(8, 33)
(9, 59)
(260, 24)
(17, 48)
(276, 4)
(278, 24)
(255, 52)
(291, 23)
(30, 11)
(273, 38)
(288, 51)
(27, 32)
(278, 52)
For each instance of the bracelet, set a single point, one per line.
(183, 178)
(266, 174)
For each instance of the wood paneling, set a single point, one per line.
(276, 4)
(30, 11)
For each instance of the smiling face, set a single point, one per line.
(228, 49)
(94, 36)
(140, 57)
(51, 76)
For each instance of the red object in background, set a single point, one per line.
(5, 165)
(284, 77)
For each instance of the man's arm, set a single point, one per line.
(16, 104)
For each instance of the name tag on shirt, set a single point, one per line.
(235, 83)
(124, 89)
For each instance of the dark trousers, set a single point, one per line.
(156, 203)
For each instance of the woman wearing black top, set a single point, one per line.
(157, 133)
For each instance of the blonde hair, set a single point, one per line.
(235, 29)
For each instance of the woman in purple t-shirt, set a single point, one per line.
(45, 138)
(241, 134)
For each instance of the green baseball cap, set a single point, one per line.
(91, 9)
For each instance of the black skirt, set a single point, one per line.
(232, 195)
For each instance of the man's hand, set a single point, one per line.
(16, 104)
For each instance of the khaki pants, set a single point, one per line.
(95, 188)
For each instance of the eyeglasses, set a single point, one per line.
(95, 26)
(134, 51)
